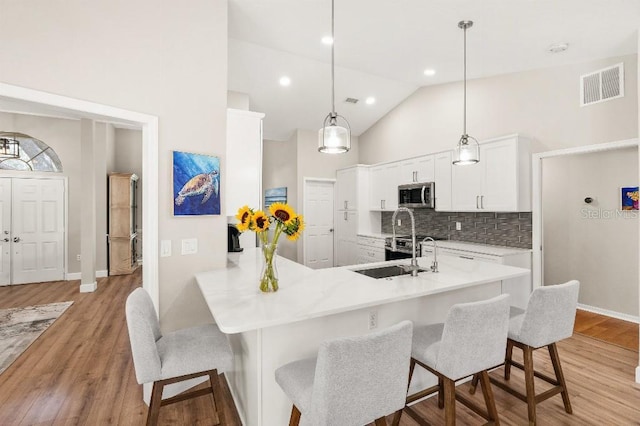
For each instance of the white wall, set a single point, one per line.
(158, 57)
(237, 100)
(279, 171)
(594, 243)
(542, 104)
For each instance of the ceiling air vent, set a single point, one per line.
(602, 85)
(351, 100)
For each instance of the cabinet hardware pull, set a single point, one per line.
(345, 215)
(466, 257)
(482, 201)
(477, 202)
(345, 205)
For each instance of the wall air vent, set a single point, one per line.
(351, 100)
(602, 85)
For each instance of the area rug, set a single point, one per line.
(20, 327)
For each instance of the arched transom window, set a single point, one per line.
(23, 152)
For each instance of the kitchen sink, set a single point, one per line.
(385, 271)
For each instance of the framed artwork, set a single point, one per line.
(629, 198)
(196, 184)
(275, 195)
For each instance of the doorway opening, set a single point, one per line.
(582, 230)
(28, 101)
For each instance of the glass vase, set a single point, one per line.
(269, 275)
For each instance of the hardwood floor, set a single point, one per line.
(80, 371)
(611, 330)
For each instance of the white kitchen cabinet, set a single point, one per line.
(419, 169)
(351, 213)
(243, 172)
(518, 288)
(346, 236)
(384, 180)
(347, 189)
(442, 180)
(501, 181)
(370, 249)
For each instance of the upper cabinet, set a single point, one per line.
(420, 169)
(347, 189)
(385, 178)
(501, 181)
(243, 179)
(442, 180)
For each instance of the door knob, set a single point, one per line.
(16, 240)
(6, 240)
(331, 230)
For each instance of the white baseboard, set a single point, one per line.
(638, 374)
(88, 288)
(613, 314)
(70, 276)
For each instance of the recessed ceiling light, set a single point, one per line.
(327, 40)
(285, 81)
(558, 47)
(429, 72)
(370, 100)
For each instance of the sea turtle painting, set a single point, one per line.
(204, 183)
(196, 184)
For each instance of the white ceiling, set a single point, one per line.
(383, 46)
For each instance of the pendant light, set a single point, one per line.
(468, 150)
(334, 138)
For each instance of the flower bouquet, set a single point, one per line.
(285, 220)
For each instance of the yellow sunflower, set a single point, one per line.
(261, 220)
(293, 232)
(282, 212)
(244, 216)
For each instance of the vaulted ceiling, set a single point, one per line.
(382, 48)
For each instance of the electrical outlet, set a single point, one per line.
(373, 320)
(458, 226)
(399, 222)
(78, 258)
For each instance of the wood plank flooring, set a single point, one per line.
(80, 371)
(611, 330)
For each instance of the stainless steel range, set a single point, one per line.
(404, 246)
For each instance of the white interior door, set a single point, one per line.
(5, 231)
(318, 216)
(37, 230)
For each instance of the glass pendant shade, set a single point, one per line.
(467, 152)
(332, 138)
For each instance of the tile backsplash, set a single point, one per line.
(502, 229)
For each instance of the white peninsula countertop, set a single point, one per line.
(238, 306)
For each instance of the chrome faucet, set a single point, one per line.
(414, 263)
(434, 264)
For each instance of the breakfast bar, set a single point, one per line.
(268, 330)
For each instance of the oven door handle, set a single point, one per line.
(424, 188)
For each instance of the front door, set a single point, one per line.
(37, 230)
(5, 231)
(318, 234)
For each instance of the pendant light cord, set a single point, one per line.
(333, 43)
(464, 114)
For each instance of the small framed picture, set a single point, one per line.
(196, 184)
(629, 198)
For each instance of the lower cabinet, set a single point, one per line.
(370, 249)
(518, 288)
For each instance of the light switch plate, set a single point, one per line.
(458, 226)
(189, 246)
(165, 248)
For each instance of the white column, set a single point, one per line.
(88, 207)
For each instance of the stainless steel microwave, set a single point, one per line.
(417, 195)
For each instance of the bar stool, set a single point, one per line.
(471, 340)
(352, 382)
(549, 318)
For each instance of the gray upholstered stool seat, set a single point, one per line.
(181, 355)
(353, 381)
(471, 340)
(549, 318)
